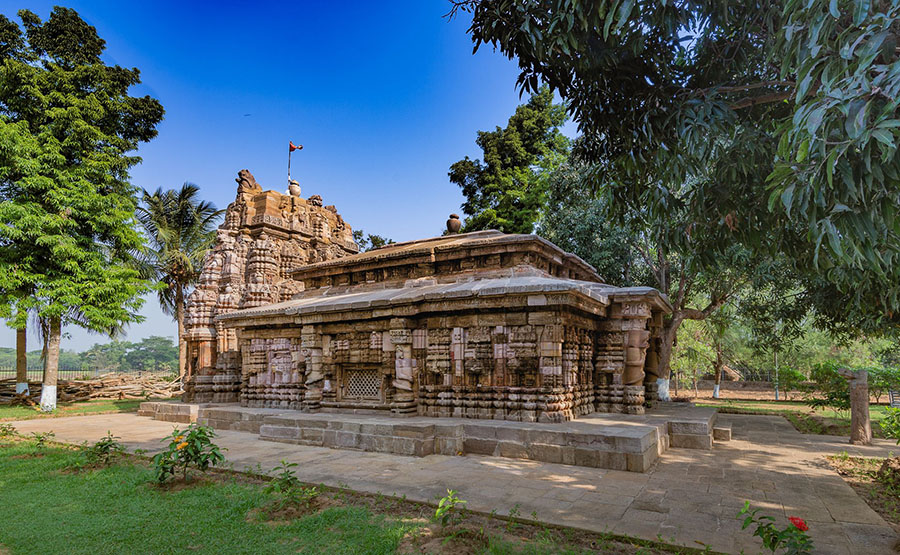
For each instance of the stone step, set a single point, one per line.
(722, 431)
(169, 411)
(633, 448)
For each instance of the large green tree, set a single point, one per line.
(783, 115)
(180, 229)
(508, 190)
(68, 127)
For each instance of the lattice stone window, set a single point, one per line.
(362, 384)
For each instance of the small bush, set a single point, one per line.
(448, 508)
(793, 540)
(104, 451)
(8, 430)
(890, 424)
(41, 438)
(833, 389)
(192, 447)
(289, 489)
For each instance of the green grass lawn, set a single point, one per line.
(51, 508)
(804, 418)
(115, 510)
(99, 406)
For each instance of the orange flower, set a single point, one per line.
(181, 446)
(179, 438)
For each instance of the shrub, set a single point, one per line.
(890, 424)
(104, 450)
(7, 430)
(191, 447)
(41, 439)
(447, 510)
(882, 379)
(790, 379)
(833, 391)
(289, 489)
(793, 539)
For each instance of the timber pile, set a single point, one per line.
(106, 386)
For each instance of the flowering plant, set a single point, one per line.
(191, 447)
(793, 539)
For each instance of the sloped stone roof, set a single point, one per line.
(428, 290)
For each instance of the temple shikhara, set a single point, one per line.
(289, 315)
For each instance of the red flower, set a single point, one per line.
(799, 523)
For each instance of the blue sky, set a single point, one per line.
(383, 96)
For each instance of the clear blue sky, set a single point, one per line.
(384, 97)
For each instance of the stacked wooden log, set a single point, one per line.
(106, 386)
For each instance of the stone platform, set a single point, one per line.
(611, 441)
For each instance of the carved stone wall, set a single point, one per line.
(265, 235)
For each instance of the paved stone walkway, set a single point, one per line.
(689, 496)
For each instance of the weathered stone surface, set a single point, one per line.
(481, 325)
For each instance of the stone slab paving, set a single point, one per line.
(689, 496)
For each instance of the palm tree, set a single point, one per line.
(180, 230)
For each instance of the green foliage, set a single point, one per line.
(288, 488)
(790, 379)
(780, 118)
(192, 447)
(7, 430)
(448, 508)
(40, 439)
(152, 353)
(67, 129)
(890, 424)
(368, 242)
(577, 223)
(507, 191)
(205, 518)
(104, 451)
(793, 539)
(831, 390)
(180, 229)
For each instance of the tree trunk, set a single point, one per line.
(860, 425)
(51, 365)
(718, 370)
(666, 343)
(182, 346)
(22, 361)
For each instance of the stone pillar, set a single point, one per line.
(311, 349)
(404, 403)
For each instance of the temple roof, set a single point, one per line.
(596, 294)
(454, 247)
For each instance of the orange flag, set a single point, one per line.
(294, 147)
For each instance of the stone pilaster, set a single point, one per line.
(403, 402)
(311, 350)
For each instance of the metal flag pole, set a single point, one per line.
(291, 148)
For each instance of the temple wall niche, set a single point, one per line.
(264, 236)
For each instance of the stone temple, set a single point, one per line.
(484, 325)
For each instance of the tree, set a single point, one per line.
(508, 190)
(368, 242)
(180, 230)
(577, 223)
(106, 357)
(152, 353)
(782, 114)
(67, 126)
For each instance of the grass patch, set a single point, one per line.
(83, 408)
(117, 509)
(800, 415)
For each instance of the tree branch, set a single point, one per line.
(762, 99)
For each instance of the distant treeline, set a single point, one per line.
(152, 353)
